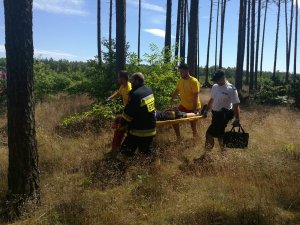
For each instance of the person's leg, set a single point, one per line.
(177, 131)
(145, 145)
(117, 141)
(209, 142)
(221, 144)
(194, 129)
(129, 146)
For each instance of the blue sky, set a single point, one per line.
(67, 29)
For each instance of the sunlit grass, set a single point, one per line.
(259, 185)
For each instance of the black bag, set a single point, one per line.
(236, 139)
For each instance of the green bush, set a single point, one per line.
(271, 94)
(295, 91)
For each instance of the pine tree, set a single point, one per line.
(168, 30)
(120, 35)
(23, 170)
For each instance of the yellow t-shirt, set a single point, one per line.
(187, 88)
(124, 91)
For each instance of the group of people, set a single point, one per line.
(139, 117)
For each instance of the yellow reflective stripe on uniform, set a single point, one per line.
(143, 133)
(147, 100)
(126, 117)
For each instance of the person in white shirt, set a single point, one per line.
(224, 104)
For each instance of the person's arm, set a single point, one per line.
(173, 96)
(114, 95)
(236, 109)
(195, 101)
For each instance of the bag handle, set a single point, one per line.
(240, 129)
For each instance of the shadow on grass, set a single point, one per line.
(214, 216)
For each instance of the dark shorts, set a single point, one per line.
(181, 108)
(219, 122)
(132, 143)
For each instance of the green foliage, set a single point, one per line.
(159, 76)
(3, 93)
(98, 114)
(295, 91)
(272, 94)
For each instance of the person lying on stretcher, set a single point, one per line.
(173, 115)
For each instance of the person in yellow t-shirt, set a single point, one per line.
(123, 92)
(188, 89)
(125, 88)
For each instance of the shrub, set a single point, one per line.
(271, 94)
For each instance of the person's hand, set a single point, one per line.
(205, 113)
(172, 103)
(107, 100)
(236, 123)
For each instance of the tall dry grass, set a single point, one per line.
(259, 185)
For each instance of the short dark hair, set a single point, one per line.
(218, 75)
(123, 74)
(138, 76)
(183, 66)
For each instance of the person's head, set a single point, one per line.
(137, 79)
(184, 71)
(122, 77)
(219, 77)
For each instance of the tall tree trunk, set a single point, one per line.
(23, 170)
(241, 46)
(192, 44)
(99, 31)
(139, 31)
(217, 35)
(251, 83)
(208, 43)
(296, 40)
(179, 11)
(276, 42)
(290, 43)
(223, 14)
(263, 39)
(120, 35)
(248, 41)
(183, 31)
(168, 31)
(110, 31)
(257, 43)
(286, 38)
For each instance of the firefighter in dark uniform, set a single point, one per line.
(139, 113)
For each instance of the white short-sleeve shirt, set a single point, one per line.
(224, 96)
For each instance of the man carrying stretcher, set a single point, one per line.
(188, 89)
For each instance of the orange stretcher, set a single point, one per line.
(178, 121)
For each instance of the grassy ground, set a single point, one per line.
(260, 185)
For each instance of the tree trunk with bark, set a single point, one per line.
(183, 31)
(99, 32)
(179, 11)
(289, 44)
(120, 35)
(217, 35)
(110, 31)
(23, 170)
(192, 44)
(208, 44)
(257, 43)
(252, 52)
(248, 41)
(276, 42)
(139, 31)
(223, 14)
(296, 41)
(263, 39)
(168, 31)
(241, 46)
